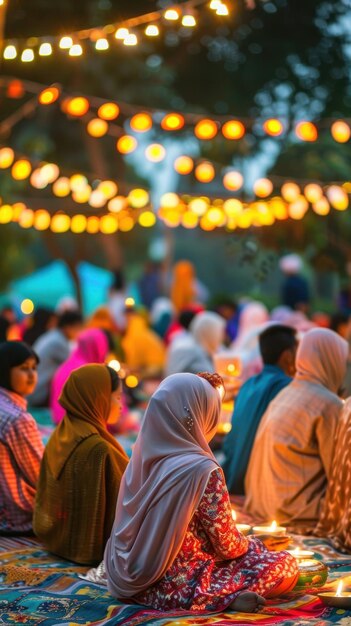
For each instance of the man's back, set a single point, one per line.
(250, 405)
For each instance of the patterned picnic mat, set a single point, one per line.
(37, 588)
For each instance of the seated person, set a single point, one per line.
(93, 346)
(174, 544)
(21, 447)
(53, 348)
(81, 469)
(193, 351)
(291, 458)
(144, 350)
(278, 348)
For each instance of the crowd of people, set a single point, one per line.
(157, 527)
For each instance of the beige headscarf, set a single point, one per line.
(321, 358)
(208, 329)
(163, 484)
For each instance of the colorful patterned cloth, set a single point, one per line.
(39, 590)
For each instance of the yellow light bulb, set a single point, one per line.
(10, 52)
(147, 219)
(130, 40)
(27, 306)
(171, 14)
(222, 10)
(121, 33)
(152, 30)
(76, 50)
(189, 21)
(45, 49)
(102, 44)
(27, 55)
(65, 43)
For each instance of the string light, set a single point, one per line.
(172, 15)
(76, 50)
(222, 9)
(45, 49)
(108, 111)
(126, 144)
(66, 43)
(130, 40)
(152, 30)
(10, 52)
(121, 33)
(102, 44)
(27, 55)
(188, 21)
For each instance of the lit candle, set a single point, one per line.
(339, 599)
(272, 529)
(301, 555)
(244, 529)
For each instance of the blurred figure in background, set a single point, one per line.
(150, 284)
(193, 352)
(340, 323)
(254, 318)
(4, 327)
(278, 349)
(53, 348)
(144, 350)
(43, 319)
(21, 447)
(93, 346)
(161, 315)
(117, 298)
(294, 290)
(186, 289)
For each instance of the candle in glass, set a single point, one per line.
(301, 555)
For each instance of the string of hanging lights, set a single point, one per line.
(127, 32)
(104, 117)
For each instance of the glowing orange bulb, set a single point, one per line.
(21, 169)
(78, 223)
(93, 225)
(233, 180)
(108, 224)
(205, 172)
(340, 131)
(147, 219)
(61, 187)
(97, 127)
(126, 144)
(306, 131)
(273, 127)
(7, 156)
(155, 153)
(141, 122)
(172, 121)
(108, 111)
(15, 89)
(233, 129)
(60, 223)
(206, 129)
(42, 220)
(290, 191)
(77, 106)
(49, 95)
(263, 187)
(183, 165)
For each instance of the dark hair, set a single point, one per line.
(12, 354)
(337, 319)
(115, 379)
(186, 317)
(274, 340)
(69, 318)
(118, 280)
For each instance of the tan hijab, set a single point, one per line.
(321, 358)
(86, 398)
(163, 483)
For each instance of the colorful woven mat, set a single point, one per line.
(38, 589)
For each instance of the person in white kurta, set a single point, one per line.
(290, 463)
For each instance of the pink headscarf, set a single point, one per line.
(92, 347)
(163, 483)
(321, 358)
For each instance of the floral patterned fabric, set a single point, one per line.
(216, 562)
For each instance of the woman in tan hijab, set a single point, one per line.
(81, 469)
(174, 544)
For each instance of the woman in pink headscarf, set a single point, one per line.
(92, 347)
(174, 544)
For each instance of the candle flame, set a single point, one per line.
(274, 525)
(296, 551)
(233, 515)
(339, 589)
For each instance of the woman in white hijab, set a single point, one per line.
(174, 544)
(291, 459)
(193, 351)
